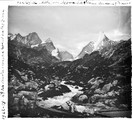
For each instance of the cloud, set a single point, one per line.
(62, 48)
(125, 19)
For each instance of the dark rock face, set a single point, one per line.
(33, 39)
(80, 98)
(49, 45)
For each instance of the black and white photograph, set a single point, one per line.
(69, 61)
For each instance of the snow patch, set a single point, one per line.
(86, 52)
(68, 60)
(43, 42)
(32, 46)
(12, 37)
(55, 53)
(76, 58)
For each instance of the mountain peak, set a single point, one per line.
(30, 39)
(87, 49)
(102, 41)
(18, 35)
(33, 38)
(49, 45)
(105, 38)
(48, 40)
(65, 56)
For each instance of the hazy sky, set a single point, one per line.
(70, 28)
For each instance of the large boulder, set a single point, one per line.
(31, 85)
(83, 98)
(69, 106)
(106, 87)
(80, 98)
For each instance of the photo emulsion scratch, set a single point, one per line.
(69, 61)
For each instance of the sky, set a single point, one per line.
(70, 27)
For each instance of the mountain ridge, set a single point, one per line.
(32, 41)
(104, 75)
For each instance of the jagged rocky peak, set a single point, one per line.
(48, 40)
(11, 36)
(49, 45)
(55, 53)
(106, 41)
(103, 41)
(65, 56)
(18, 35)
(29, 40)
(19, 38)
(88, 49)
(33, 38)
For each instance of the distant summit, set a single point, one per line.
(33, 38)
(103, 42)
(48, 40)
(37, 51)
(86, 50)
(30, 39)
(49, 45)
(65, 56)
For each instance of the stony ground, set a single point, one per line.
(104, 77)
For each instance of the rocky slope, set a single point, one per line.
(104, 76)
(31, 50)
(103, 43)
(30, 39)
(86, 50)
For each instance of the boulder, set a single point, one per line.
(83, 98)
(111, 93)
(114, 82)
(80, 98)
(51, 86)
(88, 111)
(69, 106)
(98, 91)
(106, 87)
(75, 98)
(31, 85)
(24, 77)
(28, 94)
(64, 89)
(100, 104)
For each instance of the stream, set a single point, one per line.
(59, 100)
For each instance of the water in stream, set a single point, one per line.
(59, 100)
